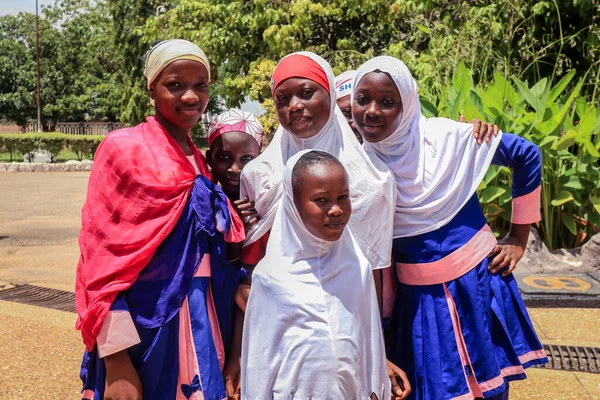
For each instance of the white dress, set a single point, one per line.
(312, 328)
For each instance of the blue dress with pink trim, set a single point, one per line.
(176, 320)
(457, 330)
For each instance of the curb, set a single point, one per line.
(569, 290)
(69, 166)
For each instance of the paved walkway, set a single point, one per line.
(40, 350)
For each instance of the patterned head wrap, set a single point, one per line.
(235, 120)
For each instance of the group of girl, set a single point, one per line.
(277, 284)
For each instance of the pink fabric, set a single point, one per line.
(499, 380)
(526, 209)
(462, 346)
(88, 395)
(532, 355)
(194, 164)
(452, 266)
(390, 287)
(204, 268)
(118, 333)
(137, 190)
(214, 326)
(188, 361)
(234, 120)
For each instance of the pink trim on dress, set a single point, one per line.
(532, 355)
(526, 209)
(471, 380)
(453, 266)
(118, 333)
(88, 395)
(188, 361)
(390, 287)
(215, 328)
(204, 270)
(499, 380)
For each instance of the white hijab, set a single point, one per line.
(312, 326)
(371, 183)
(437, 163)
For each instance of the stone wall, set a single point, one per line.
(69, 166)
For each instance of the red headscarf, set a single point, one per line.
(298, 66)
(138, 188)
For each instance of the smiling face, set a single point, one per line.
(302, 105)
(180, 94)
(321, 195)
(345, 106)
(377, 106)
(228, 155)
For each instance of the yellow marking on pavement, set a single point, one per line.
(557, 283)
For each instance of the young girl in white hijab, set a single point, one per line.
(459, 326)
(312, 328)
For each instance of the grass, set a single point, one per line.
(64, 155)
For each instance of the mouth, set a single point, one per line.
(186, 110)
(335, 226)
(300, 121)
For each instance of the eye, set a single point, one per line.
(247, 158)
(202, 85)
(174, 84)
(280, 98)
(306, 93)
(320, 200)
(223, 157)
(389, 102)
(361, 99)
(347, 113)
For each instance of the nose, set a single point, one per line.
(234, 168)
(295, 104)
(373, 110)
(190, 97)
(335, 211)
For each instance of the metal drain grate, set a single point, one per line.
(572, 358)
(39, 296)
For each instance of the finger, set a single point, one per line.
(496, 130)
(495, 250)
(511, 268)
(245, 206)
(489, 130)
(462, 118)
(240, 201)
(496, 261)
(229, 388)
(503, 262)
(477, 129)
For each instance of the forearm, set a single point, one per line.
(378, 290)
(235, 350)
(519, 232)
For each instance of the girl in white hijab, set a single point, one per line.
(459, 326)
(312, 328)
(371, 184)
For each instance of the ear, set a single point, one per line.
(152, 91)
(208, 158)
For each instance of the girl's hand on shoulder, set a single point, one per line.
(245, 209)
(122, 380)
(400, 385)
(231, 376)
(507, 253)
(482, 130)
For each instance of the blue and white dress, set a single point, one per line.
(457, 330)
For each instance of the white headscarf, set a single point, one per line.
(437, 162)
(312, 326)
(372, 187)
(343, 83)
(168, 51)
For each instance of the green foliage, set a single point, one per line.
(52, 143)
(78, 67)
(562, 123)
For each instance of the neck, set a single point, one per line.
(233, 195)
(178, 133)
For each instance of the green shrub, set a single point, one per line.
(564, 126)
(53, 143)
(84, 145)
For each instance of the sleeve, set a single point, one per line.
(524, 159)
(118, 331)
(255, 251)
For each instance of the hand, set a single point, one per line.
(508, 252)
(241, 296)
(482, 130)
(400, 384)
(231, 376)
(122, 380)
(245, 209)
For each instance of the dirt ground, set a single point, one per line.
(40, 351)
